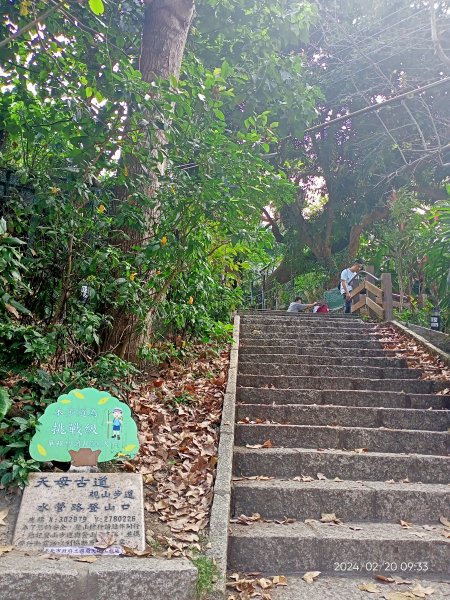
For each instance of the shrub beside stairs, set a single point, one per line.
(352, 432)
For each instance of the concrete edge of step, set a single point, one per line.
(23, 577)
(220, 511)
(418, 338)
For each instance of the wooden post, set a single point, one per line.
(386, 286)
(370, 269)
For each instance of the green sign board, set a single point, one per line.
(87, 418)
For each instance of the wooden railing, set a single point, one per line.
(380, 301)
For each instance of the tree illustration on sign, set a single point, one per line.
(87, 418)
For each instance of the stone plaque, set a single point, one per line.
(85, 419)
(81, 511)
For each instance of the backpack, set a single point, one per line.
(323, 308)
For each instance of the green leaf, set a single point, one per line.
(97, 7)
(5, 402)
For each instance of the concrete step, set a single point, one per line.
(313, 342)
(300, 547)
(412, 386)
(333, 329)
(349, 500)
(307, 315)
(254, 395)
(343, 584)
(347, 371)
(330, 328)
(346, 416)
(309, 335)
(303, 349)
(346, 438)
(308, 359)
(30, 576)
(356, 466)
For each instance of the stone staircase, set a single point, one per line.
(368, 437)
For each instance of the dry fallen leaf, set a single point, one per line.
(5, 549)
(384, 579)
(398, 596)
(321, 476)
(310, 576)
(104, 540)
(265, 583)
(87, 559)
(421, 592)
(368, 587)
(245, 520)
(268, 444)
(304, 478)
(401, 581)
(279, 580)
(444, 521)
(330, 518)
(3, 515)
(405, 524)
(127, 551)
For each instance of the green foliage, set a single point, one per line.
(311, 286)
(414, 245)
(82, 242)
(15, 462)
(208, 573)
(97, 6)
(5, 402)
(418, 315)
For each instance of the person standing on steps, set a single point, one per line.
(347, 278)
(297, 306)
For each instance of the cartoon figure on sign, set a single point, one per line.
(117, 422)
(81, 420)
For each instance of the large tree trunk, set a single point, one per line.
(165, 29)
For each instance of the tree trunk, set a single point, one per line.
(165, 30)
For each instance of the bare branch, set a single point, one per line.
(379, 105)
(435, 37)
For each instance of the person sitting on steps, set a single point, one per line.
(297, 306)
(347, 278)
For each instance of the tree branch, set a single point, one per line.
(379, 105)
(439, 51)
(32, 24)
(378, 214)
(274, 225)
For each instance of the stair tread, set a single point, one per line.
(337, 451)
(329, 587)
(298, 427)
(345, 407)
(367, 531)
(290, 484)
(341, 415)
